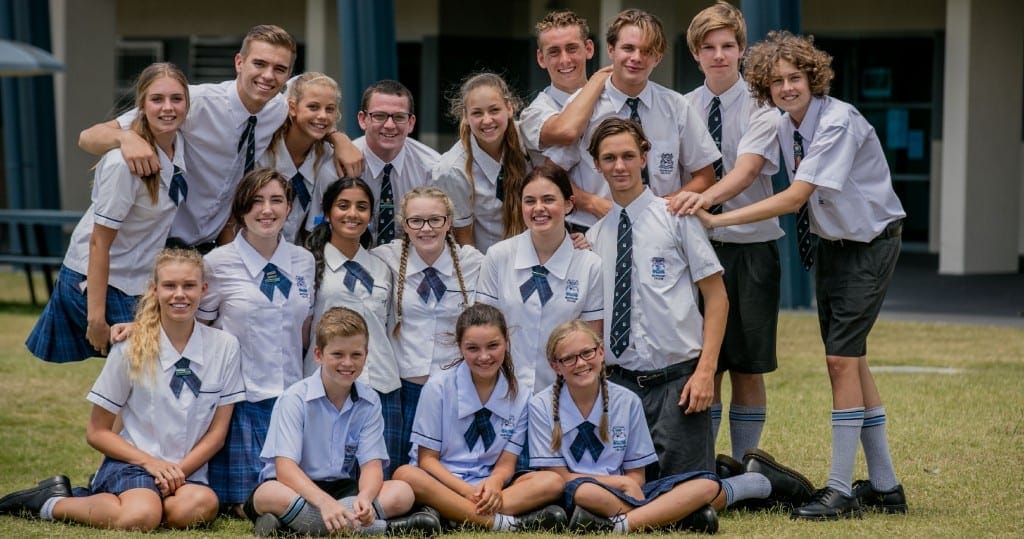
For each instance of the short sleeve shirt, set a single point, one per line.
(549, 102)
(474, 199)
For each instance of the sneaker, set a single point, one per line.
(703, 520)
(267, 525)
(586, 522)
(31, 500)
(828, 504)
(892, 501)
(549, 518)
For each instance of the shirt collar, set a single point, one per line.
(484, 161)
(810, 123)
(334, 258)
(569, 415)
(167, 164)
(635, 208)
(376, 165)
(556, 95)
(193, 349)
(728, 97)
(526, 255)
(315, 390)
(254, 261)
(618, 98)
(469, 400)
(443, 264)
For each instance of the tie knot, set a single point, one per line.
(252, 120)
(182, 363)
(388, 168)
(269, 268)
(716, 101)
(623, 217)
(797, 137)
(539, 270)
(633, 102)
(178, 171)
(586, 427)
(483, 413)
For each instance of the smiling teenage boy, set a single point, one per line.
(395, 163)
(681, 143)
(324, 455)
(229, 126)
(563, 48)
(840, 178)
(746, 135)
(658, 344)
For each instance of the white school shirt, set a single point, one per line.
(746, 128)
(670, 254)
(843, 158)
(629, 445)
(381, 371)
(154, 420)
(446, 410)
(577, 292)
(122, 202)
(412, 168)
(326, 443)
(482, 211)
(270, 332)
(549, 102)
(680, 142)
(426, 341)
(215, 122)
(280, 160)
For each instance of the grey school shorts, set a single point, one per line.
(851, 281)
(752, 274)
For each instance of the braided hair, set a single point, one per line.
(559, 335)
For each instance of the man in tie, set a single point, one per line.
(746, 134)
(659, 345)
(229, 126)
(839, 174)
(681, 143)
(395, 163)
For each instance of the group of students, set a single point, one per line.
(617, 219)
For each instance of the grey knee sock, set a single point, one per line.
(846, 427)
(377, 527)
(304, 518)
(716, 420)
(746, 486)
(745, 426)
(876, 450)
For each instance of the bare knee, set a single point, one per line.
(396, 498)
(841, 367)
(190, 507)
(137, 519)
(413, 476)
(550, 483)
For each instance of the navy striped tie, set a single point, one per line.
(179, 187)
(806, 241)
(386, 214)
(634, 114)
(622, 297)
(248, 140)
(715, 128)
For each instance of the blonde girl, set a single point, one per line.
(469, 430)
(593, 434)
(110, 255)
(436, 280)
(484, 169)
(173, 384)
(298, 148)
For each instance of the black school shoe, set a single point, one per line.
(549, 518)
(726, 466)
(584, 521)
(425, 522)
(828, 504)
(703, 520)
(789, 487)
(30, 501)
(893, 501)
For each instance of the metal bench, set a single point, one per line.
(27, 245)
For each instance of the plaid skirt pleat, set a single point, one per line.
(59, 334)
(235, 470)
(410, 401)
(651, 489)
(391, 407)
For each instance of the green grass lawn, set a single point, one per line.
(956, 435)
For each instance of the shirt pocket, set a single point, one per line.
(659, 268)
(200, 414)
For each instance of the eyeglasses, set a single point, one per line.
(435, 221)
(379, 117)
(586, 355)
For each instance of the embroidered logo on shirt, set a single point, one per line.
(508, 427)
(300, 282)
(658, 268)
(350, 454)
(572, 290)
(619, 438)
(666, 163)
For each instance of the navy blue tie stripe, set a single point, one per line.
(499, 184)
(431, 283)
(806, 241)
(248, 140)
(355, 272)
(634, 114)
(586, 442)
(715, 128)
(301, 191)
(183, 376)
(273, 278)
(537, 282)
(386, 215)
(179, 187)
(480, 428)
(622, 296)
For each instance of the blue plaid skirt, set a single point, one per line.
(59, 335)
(117, 476)
(391, 407)
(410, 401)
(651, 489)
(235, 469)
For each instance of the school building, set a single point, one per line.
(941, 81)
